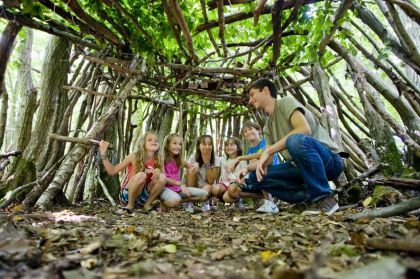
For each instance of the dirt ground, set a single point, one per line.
(91, 242)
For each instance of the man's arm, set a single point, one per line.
(300, 126)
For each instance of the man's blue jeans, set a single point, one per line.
(306, 179)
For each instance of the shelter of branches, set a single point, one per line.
(114, 69)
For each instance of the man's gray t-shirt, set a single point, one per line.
(279, 125)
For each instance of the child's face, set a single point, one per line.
(206, 146)
(251, 134)
(151, 143)
(257, 97)
(231, 148)
(175, 145)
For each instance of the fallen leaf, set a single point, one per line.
(268, 254)
(18, 218)
(367, 201)
(169, 248)
(89, 263)
(218, 255)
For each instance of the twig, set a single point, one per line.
(400, 245)
(366, 174)
(9, 154)
(108, 196)
(76, 140)
(396, 209)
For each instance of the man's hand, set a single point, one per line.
(185, 190)
(262, 166)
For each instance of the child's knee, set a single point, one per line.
(139, 178)
(172, 203)
(233, 190)
(162, 179)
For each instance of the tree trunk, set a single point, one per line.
(27, 92)
(7, 42)
(67, 167)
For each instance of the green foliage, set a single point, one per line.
(339, 249)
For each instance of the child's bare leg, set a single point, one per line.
(207, 187)
(135, 186)
(218, 190)
(155, 190)
(191, 178)
(267, 196)
(195, 199)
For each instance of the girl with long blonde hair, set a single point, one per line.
(145, 178)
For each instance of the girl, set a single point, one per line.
(203, 160)
(145, 180)
(176, 192)
(233, 150)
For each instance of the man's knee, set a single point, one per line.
(294, 144)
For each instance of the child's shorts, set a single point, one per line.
(141, 198)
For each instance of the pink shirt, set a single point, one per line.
(172, 172)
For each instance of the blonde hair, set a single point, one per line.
(141, 153)
(166, 154)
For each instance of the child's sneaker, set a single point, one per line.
(239, 204)
(268, 207)
(189, 208)
(206, 206)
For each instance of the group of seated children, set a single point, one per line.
(156, 173)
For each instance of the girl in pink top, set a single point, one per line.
(145, 179)
(175, 191)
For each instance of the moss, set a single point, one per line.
(384, 194)
(339, 249)
(410, 173)
(24, 174)
(393, 158)
(353, 194)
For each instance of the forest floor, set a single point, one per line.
(91, 242)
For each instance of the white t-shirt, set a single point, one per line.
(201, 176)
(226, 178)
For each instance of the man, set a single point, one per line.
(312, 159)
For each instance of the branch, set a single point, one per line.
(397, 183)
(46, 28)
(93, 23)
(396, 209)
(344, 6)
(206, 20)
(371, 171)
(399, 245)
(241, 16)
(411, 10)
(11, 153)
(179, 16)
(213, 3)
(221, 18)
(76, 140)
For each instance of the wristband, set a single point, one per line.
(104, 157)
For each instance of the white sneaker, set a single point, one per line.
(189, 208)
(239, 205)
(205, 207)
(268, 207)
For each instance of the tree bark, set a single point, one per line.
(67, 167)
(27, 92)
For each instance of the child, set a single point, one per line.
(251, 132)
(233, 149)
(175, 192)
(202, 159)
(145, 180)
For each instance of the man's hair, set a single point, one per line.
(250, 124)
(263, 82)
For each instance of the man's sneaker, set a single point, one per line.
(326, 205)
(268, 207)
(205, 207)
(239, 204)
(189, 208)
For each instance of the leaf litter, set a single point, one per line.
(91, 242)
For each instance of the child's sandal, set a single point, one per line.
(123, 211)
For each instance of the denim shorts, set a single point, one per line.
(141, 198)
